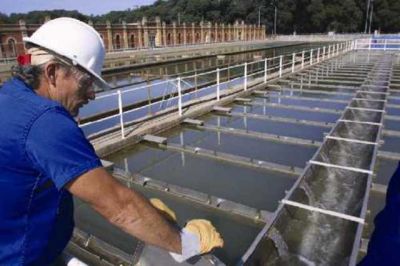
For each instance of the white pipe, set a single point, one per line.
(352, 140)
(366, 109)
(121, 114)
(342, 167)
(360, 122)
(323, 211)
(179, 97)
(245, 76)
(293, 61)
(265, 70)
(218, 87)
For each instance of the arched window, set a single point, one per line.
(12, 48)
(226, 36)
(179, 38)
(197, 38)
(132, 41)
(117, 42)
(169, 39)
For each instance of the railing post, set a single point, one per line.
(280, 65)
(384, 48)
(337, 49)
(311, 57)
(245, 76)
(218, 88)
(323, 52)
(195, 83)
(293, 61)
(265, 70)
(370, 43)
(318, 54)
(121, 114)
(302, 60)
(329, 52)
(179, 96)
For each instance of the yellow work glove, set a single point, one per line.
(163, 209)
(208, 235)
(197, 237)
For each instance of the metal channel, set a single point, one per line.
(349, 141)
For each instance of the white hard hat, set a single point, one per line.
(74, 40)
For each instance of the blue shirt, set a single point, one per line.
(384, 245)
(41, 149)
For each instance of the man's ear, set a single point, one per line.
(50, 72)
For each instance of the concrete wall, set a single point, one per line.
(319, 37)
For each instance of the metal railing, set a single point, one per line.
(135, 104)
(377, 44)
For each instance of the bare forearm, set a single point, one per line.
(126, 209)
(139, 218)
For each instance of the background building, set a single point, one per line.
(142, 34)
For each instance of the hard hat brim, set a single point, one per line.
(99, 81)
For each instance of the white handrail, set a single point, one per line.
(263, 68)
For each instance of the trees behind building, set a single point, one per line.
(301, 16)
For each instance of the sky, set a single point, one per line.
(87, 7)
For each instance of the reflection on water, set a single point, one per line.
(229, 226)
(253, 187)
(302, 131)
(155, 74)
(284, 112)
(256, 149)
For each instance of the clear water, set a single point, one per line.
(302, 102)
(256, 188)
(391, 144)
(281, 153)
(228, 226)
(283, 112)
(271, 127)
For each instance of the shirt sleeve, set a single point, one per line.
(58, 149)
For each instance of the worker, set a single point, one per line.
(45, 157)
(384, 244)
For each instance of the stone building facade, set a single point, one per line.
(142, 34)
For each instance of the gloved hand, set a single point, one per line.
(197, 237)
(209, 237)
(163, 209)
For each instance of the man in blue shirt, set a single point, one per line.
(384, 245)
(45, 157)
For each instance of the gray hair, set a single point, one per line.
(32, 73)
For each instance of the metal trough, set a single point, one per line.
(320, 220)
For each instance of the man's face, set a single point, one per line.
(74, 89)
